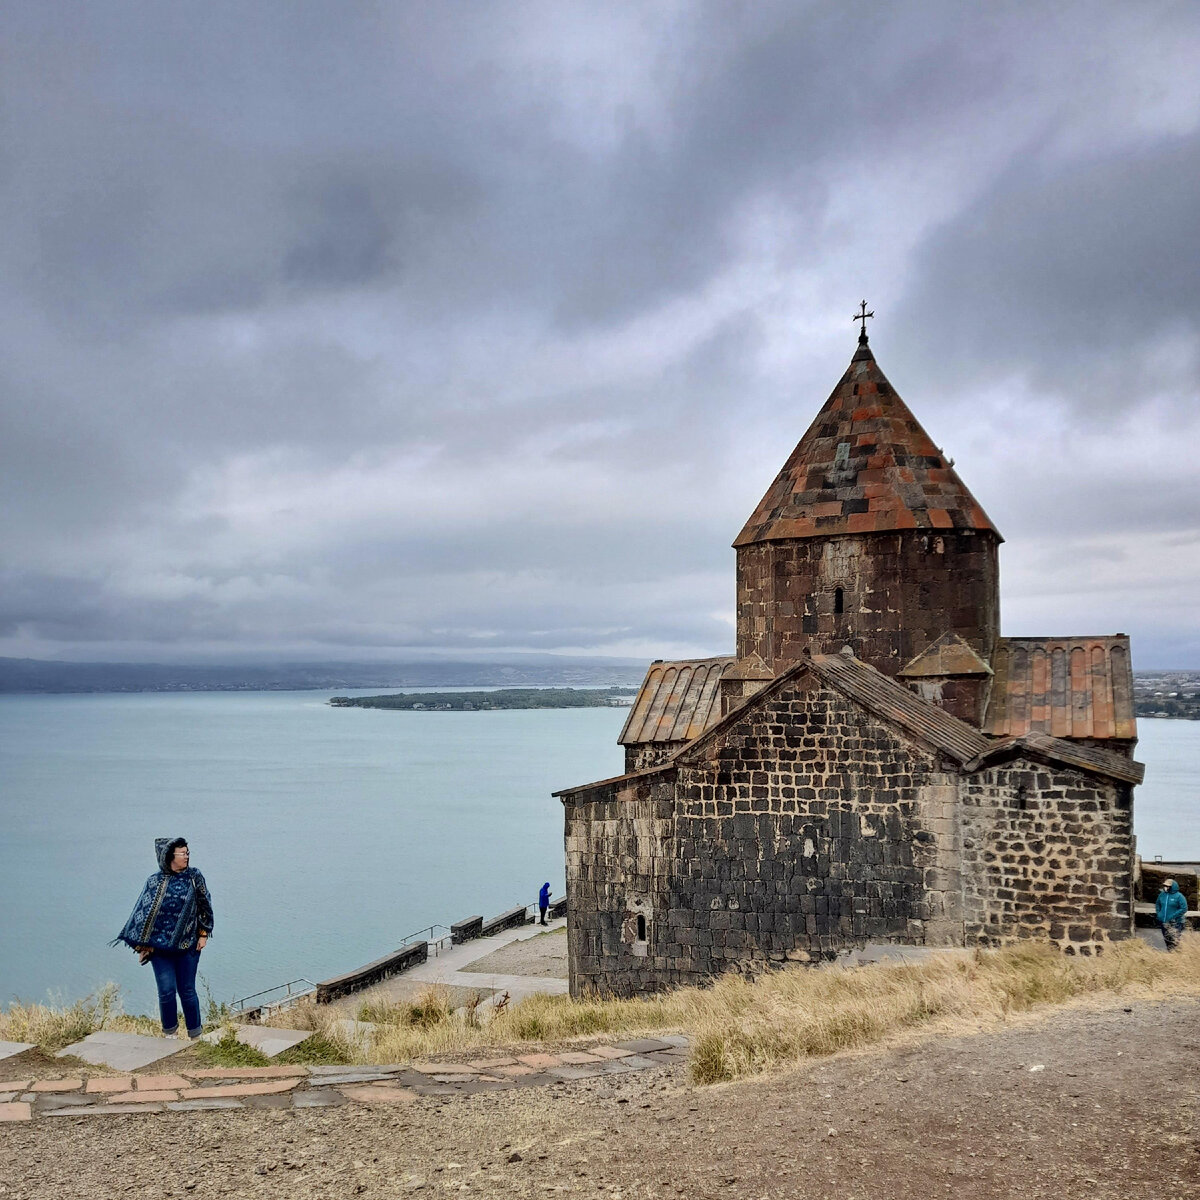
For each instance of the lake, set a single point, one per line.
(326, 835)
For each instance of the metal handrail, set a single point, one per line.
(437, 944)
(242, 1004)
(412, 937)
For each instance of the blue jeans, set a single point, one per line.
(175, 971)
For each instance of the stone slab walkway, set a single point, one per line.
(263, 1038)
(123, 1051)
(11, 1049)
(192, 1090)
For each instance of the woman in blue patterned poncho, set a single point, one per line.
(168, 927)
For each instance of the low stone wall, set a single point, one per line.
(1144, 918)
(1153, 875)
(374, 972)
(465, 930)
(506, 920)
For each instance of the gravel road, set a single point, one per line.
(1085, 1104)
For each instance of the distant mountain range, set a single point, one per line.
(38, 675)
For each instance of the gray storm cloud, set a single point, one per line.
(346, 328)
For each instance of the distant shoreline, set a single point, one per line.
(25, 676)
(501, 698)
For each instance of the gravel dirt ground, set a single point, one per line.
(1087, 1103)
(544, 957)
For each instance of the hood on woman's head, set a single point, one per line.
(164, 850)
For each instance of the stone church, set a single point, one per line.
(875, 763)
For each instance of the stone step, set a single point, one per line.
(263, 1038)
(123, 1051)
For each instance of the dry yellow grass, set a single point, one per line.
(737, 1027)
(747, 1028)
(740, 1027)
(52, 1027)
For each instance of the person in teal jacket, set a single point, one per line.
(1170, 910)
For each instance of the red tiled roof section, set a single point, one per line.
(1064, 687)
(678, 701)
(864, 466)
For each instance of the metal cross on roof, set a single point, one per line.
(862, 316)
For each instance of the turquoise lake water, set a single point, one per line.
(326, 835)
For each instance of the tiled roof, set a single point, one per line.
(1064, 687)
(1094, 759)
(893, 701)
(947, 656)
(677, 701)
(864, 466)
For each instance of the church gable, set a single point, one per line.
(804, 822)
(802, 742)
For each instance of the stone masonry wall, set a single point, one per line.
(643, 755)
(1047, 853)
(808, 828)
(619, 848)
(900, 591)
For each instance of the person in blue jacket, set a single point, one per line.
(1170, 910)
(168, 928)
(544, 901)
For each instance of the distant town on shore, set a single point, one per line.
(1167, 694)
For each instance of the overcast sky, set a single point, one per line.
(341, 330)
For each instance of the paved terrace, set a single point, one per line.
(452, 967)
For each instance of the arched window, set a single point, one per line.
(641, 928)
(839, 600)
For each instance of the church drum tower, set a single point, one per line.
(867, 538)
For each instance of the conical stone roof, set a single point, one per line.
(864, 466)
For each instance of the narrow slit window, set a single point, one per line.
(641, 928)
(839, 600)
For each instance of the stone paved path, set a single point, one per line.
(191, 1090)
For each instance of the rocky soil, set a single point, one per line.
(1085, 1103)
